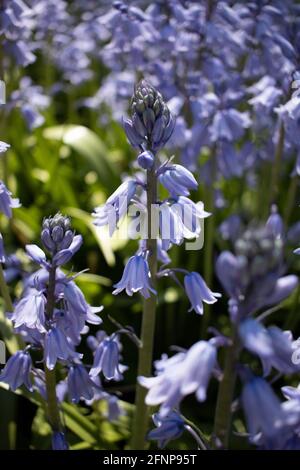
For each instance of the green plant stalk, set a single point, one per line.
(222, 422)
(141, 414)
(5, 292)
(290, 199)
(209, 241)
(275, 172)
(50, 376)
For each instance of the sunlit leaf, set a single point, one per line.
(89, 145)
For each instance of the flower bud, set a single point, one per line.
(146, 160)
(56, 233)
(261, 249)
(151, 119)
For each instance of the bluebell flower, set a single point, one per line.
(229, 124)
(275, 223)
(291, 430)
(283, 349)
(30, 311)
(183, 374)
(36, 254)
(106, 359)
(179, 219)
(31, 99)
(265, 95)
(198, 292)
(32, 116)
(146, 160)
(7, 203)
(94, 341)
(64, 255)
(78, 307)
(21, 53)
(59, 441)
(116, 206)
(57, 347)
(251, 276)
(255, 337)
(230, 228)
(291, 393)
(114, 410)
(17, 371)
(136, 278)
(167, 429)
(80, 384)
(134, 138)
(230, 161)
(177, 180)
(15, 27)
(3, 146)
(263, 411)
(13, 268)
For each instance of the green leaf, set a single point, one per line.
(89, 145)
(79, 424)
(105, 243)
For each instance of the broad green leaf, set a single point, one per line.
(106, 244)
(89, 145)
(79, 424)
(94, 279)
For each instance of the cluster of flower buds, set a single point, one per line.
(260, 249)
(57, 233)
(152, 123)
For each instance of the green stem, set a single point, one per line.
(290, 199)
(50, 376)
(209, 240)
(222, 424)
(141, 416)
(275, 172)
(5, 292)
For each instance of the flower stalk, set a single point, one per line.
(141, 416)
(222, 424)
(52, 405)
(275, 172)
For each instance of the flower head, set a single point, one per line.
(263, 411)
(80, 384)
(7, 203)
(136, 278)
(17, 371)
(30, 311)
(169, 428)
(183, 374)
(107, 358)
(57, 347)
(198, 292)
(177, 180)
(152, 123)
(116, 206)
(57, 233)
